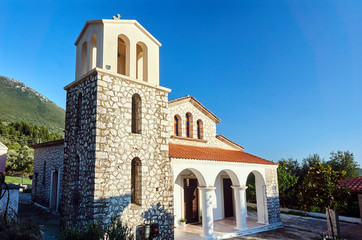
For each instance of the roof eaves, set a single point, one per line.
(197, 104)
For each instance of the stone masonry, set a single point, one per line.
(47, 160)
(106, 146)
(272, 195)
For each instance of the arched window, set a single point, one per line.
(189, 125)
(177, 125)
(79, 111)
(123, 55)
(200, 129)
(142, 62)
(136, 181)
(84, 58)
(93, 52)
(136, 114)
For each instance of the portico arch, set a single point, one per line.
(224, 205)
(186, 195)
(260, 194)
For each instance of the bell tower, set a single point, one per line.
(116, 146)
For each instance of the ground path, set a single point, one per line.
(296, 227)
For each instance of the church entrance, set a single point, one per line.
(191, 200)
(228, 198)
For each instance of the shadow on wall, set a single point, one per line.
(106, 208)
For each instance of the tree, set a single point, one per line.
(286, 178)
(344, 161)
(321, 188)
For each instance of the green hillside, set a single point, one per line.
(18, 102)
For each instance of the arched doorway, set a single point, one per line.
(186, 195)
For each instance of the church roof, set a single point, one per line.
(119, 21)
(197, 104)
(214, 154)
(48, 144)
(355, 184)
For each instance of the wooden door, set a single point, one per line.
(191, 200)
(228, 198)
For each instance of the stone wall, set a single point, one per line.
(79, 152)
(106, 147)
(53, 156)
(272, 195)
(117, 146)
(209, 127)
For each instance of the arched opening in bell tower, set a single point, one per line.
(123, 55)
(142, 62)
(84, 58)
(93, 52)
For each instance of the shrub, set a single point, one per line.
(18, 230)
(96, 231)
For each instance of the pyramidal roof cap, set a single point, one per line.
(117, 21)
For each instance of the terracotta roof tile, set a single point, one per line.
(214, 154)
(355, 184)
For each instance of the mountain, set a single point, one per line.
(18, 102)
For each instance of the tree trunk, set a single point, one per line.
(332, 223)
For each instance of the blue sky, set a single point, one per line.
(284, 77)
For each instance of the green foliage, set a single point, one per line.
(20, 162)
(308, 162)
(96, 231)
(286, 178)
(17, 136)
(344, 161)
(21, 103)
(250, 191)
(18, 180)
(321, 188)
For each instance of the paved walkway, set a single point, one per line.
(49, 223)
(298, 227)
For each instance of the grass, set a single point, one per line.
(18, 180)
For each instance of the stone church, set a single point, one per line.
(129, 152)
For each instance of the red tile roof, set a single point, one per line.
(214, 154)
(355, 184)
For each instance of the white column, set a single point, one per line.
(207, 212)
(246, 205)
(132, 62)
(240, 206)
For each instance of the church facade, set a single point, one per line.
(129, 152)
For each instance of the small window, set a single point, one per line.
(136, 181)
(136, 114)
(200, 130)
(76, 171)
(79, 111)
(177, 125)
(44, 171)
(188, 125)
